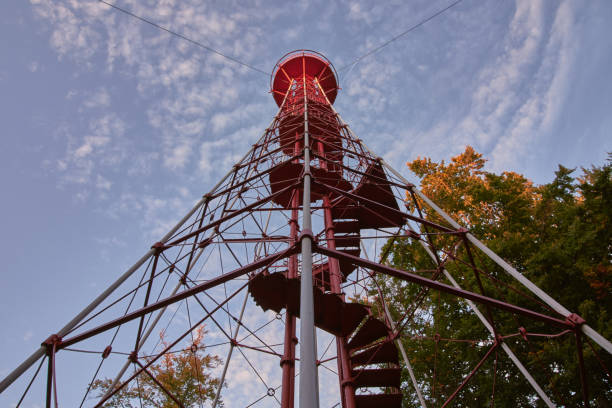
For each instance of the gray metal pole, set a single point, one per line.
(406, 361)
(586, 329)
(9, 379)
(401, 347)
(150, 329)
(229, 353)
(599, 339)
(195, 260)
(309, 382)
(505, 347)
(12, 376)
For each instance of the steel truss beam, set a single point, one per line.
(262, 263)
(585, 328)
(410, 277)
(309, 137)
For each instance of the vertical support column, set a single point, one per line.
(344, 368)
(51, 391)
(288, 360)
(309, 379)
(49, 384)
(335, 280)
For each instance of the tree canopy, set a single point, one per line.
(184, 373)
(557, 234)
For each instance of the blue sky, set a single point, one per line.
(112, 129)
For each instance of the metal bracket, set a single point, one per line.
(575, 320)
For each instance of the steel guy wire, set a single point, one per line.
(184, 37)
(397, 37)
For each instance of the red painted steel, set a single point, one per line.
(255, 210)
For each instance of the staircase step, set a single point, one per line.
(269, 291)
(331, 313)
(353, 315)
(378, 400)
(345, 210)
(351, 251)
(381, 209)
(372, 330)
(347, 267)
(379, 377)
(346, 227)
(347, 241)
(385, 352)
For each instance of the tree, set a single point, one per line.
(558, 234)
(185, 374)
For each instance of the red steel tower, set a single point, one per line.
(285, 235)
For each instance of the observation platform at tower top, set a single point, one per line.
(298, 64)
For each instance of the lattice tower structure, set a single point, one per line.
(284, 238)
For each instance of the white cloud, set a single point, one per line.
(546, 94)
(520, 92)
(499, 92)
(103, 183)
(90, 143)
(209, 153)
(28, 335)
(99, 99)
(33, 66)
(177, 156)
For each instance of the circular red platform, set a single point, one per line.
(297, 63)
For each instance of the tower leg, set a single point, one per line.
(344, 367)
(288, 360)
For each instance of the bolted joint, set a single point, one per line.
(107, 352)
(183, 280)
(307, 233)
(412, 234)
(436, 337)
(233, 342)
(498, 339)
(575, 320)
(287, 361)
(133, 357)
(52, 340)
(462, 230)
(158, 247)
(204, 243)
(348, 382)
(523, 333)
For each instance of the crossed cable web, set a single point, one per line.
(228, 273)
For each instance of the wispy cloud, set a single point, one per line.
(521, 91)
(545, 95)
(99, 99)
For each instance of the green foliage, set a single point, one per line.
(185, 374)
(557, 234)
